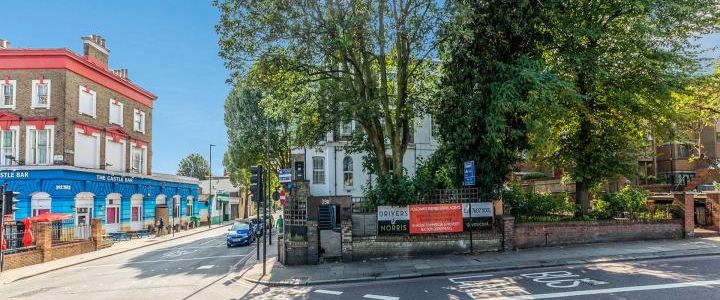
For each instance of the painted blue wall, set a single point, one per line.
(63, 185)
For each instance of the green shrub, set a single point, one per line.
(528, 205)
(629, 202)
(390, 190)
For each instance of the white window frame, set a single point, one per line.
(122, 110)
(189, 206)
(34, 101)
(143, 167)
(318, 171)
(12, 83)
(28, 144)
(81, 131)
(15, 131)
(40, 201)
(121, 168)
(141, 127)
(343, 130)
(94, 102)
(348, 171)
(116, 200)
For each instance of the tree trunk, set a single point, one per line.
(582, 196)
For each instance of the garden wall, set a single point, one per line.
(529, 235)
(386, 246)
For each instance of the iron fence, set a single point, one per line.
(14, 236)
(443, 196)
(65, 231)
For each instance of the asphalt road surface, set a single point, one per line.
(682, 278)
(199, 266)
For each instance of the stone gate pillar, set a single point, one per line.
(687, 202)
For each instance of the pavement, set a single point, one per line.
(394, 269)
(117, 248)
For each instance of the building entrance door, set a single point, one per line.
(330, 235)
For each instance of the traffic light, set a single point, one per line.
(256, 182)
(10, 202)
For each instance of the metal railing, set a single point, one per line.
(65, 231)
(14, 235)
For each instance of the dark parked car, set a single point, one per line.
(240, 234)
(258, 226)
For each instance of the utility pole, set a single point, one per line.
(267, 190)
(2, 226)
(210, 196)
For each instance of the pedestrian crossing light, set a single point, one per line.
(10, 202)
(256, 182)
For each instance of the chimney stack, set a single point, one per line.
(4, 44)
(122, 73)
(95, 50)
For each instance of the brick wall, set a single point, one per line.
(64, 93)
(22, 259)
(417, 245)
(529, 235)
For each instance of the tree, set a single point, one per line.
(247, 132)
(194, 165)
(624, 59)
(493, 78)
(364, 60)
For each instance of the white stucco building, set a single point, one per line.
(333, 172)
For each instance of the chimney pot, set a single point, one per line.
(4, 44)
(95, 50)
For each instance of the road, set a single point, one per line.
(202, 267)
(681, 278)
(199, 266)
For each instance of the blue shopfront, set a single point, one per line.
(123, 201)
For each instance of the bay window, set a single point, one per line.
(39, 146)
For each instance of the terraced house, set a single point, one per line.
(76, 138)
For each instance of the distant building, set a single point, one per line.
(229, 202)
(76, 138)
(331, 171)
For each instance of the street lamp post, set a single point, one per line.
(210, 196)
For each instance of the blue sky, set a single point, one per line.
(169, 47)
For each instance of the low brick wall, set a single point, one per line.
(529, 235)
(416, 245)
(22, 259)
(27, 258)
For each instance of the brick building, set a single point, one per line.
(76, 137)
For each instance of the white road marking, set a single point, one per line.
(205, 267)
(458, 279)
(379, 297)
(159, 260)
(336, 293)
(706, 283)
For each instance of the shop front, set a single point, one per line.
(123, 201)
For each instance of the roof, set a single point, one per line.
(219, 184)
(62, 58)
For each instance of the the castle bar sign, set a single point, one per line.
(115, 178)
(14, 174)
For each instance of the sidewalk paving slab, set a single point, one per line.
(117, 248)
(403, 268)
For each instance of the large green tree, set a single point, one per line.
(194, 165)
(493, 77)
(336, 61)
(624, 59)
(247, 132)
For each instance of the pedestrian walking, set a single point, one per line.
(160, 225)
(280, 223)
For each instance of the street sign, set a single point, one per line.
(285, 175)
(469, 171)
